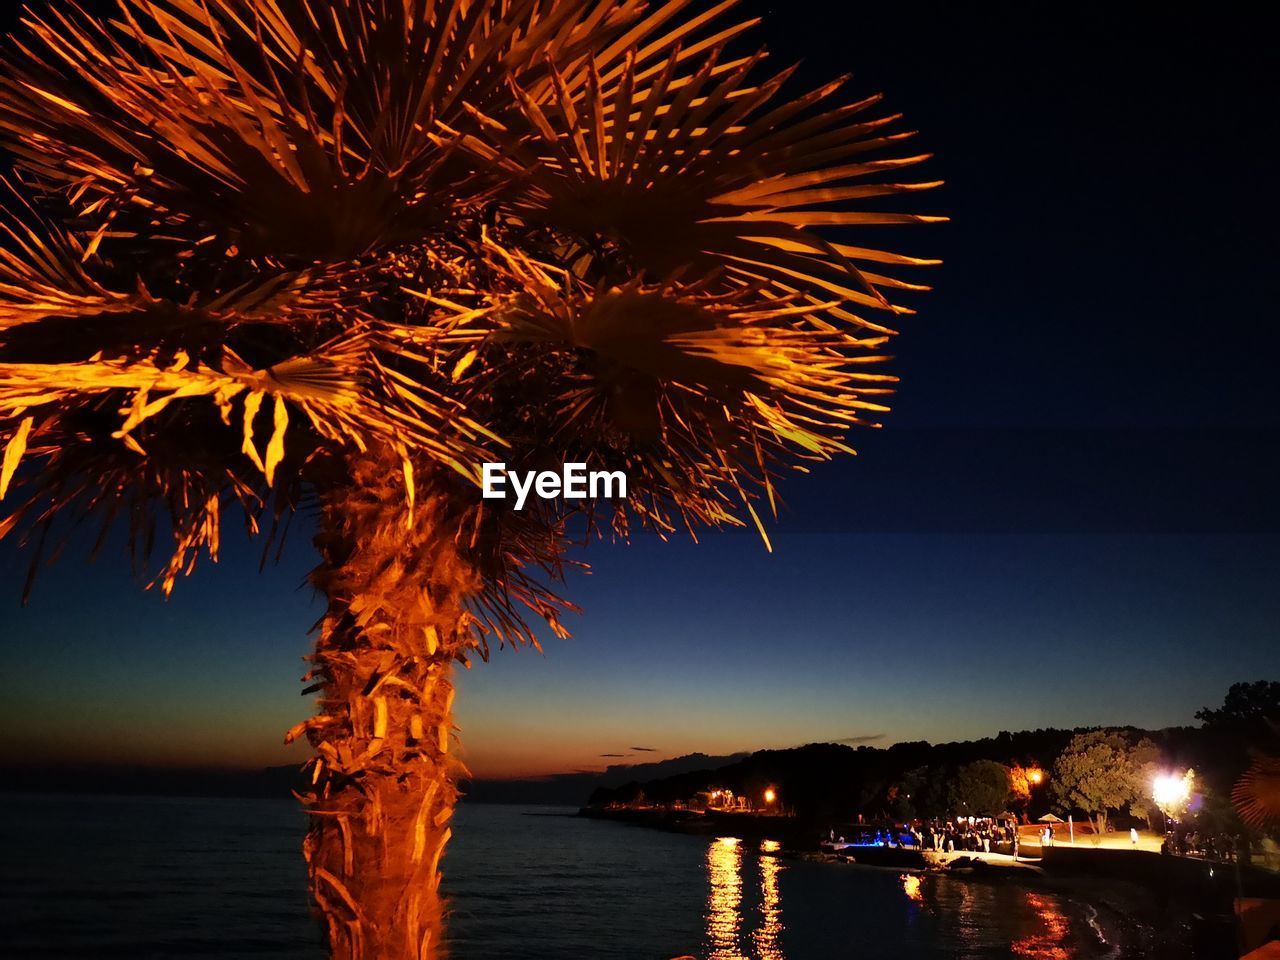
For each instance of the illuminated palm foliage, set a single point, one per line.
(1257, 794)
(272, 254)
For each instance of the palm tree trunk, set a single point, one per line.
(384, 777)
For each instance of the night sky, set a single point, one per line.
(1070, 518)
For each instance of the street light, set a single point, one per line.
(770, 795)
(1035, 776)
(1172, 793)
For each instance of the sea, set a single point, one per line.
(155, 877)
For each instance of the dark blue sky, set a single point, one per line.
(1069, 518)
(718, 647)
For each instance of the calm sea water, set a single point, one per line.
(149, 878)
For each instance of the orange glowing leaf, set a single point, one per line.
(252, 403)
(464, 364)
(275, 448)
(13, 452)
(54, 98)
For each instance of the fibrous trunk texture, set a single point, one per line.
(384, 777)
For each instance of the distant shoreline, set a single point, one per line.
(1138, 903)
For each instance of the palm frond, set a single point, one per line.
(97, 378)
(694, 170)
(1257, 794)
(304, 129)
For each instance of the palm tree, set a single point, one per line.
(264, 256)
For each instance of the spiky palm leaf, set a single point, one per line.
(98, 382)
(1257, 794)
(707, 331)
(298, 129)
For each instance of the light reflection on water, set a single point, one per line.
(724, 903)
(744, 909)
(1046, 944)
(222, 878)
(1045, 932)
(724, 918)
(766, 935)
(911, 887)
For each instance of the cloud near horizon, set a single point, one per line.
(646, 749)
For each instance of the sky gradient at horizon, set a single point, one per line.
(1069, 519)
(717, 647)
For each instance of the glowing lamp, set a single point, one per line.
(770, 795)
(1172, 791)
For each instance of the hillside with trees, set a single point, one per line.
(1105, 776)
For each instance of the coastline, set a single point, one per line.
(1129, 916)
